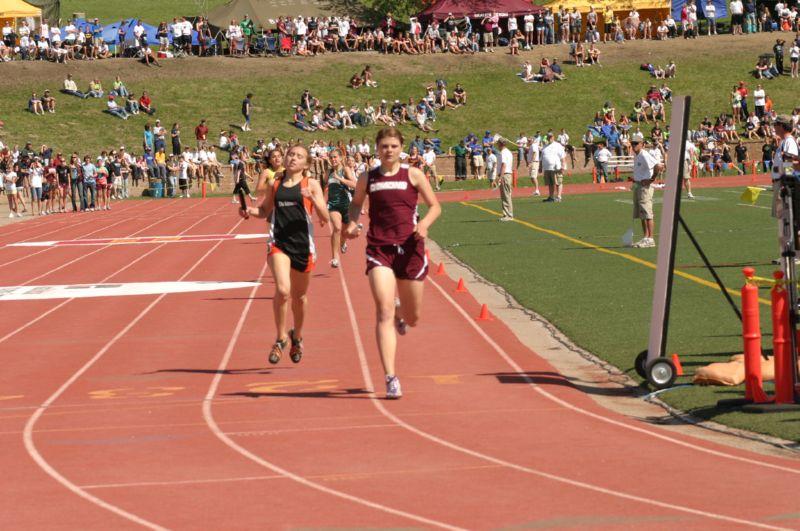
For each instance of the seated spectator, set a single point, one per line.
(592, 55)
(115, 109)
(366, 76)
(119, 88)
(95, 89)
(131, 105)
(70, 87)
(330, 116)
(670, 70)
(148, 56)
(48, 102)
(146, 104)
(300, 120)
(658, 72)
(460, 95)
(356, 81)
(422, 117)
(35, 105)
(103, 51)
(555, 68)
(307, 101)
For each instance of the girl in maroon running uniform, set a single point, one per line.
(396, 261)
(287, 205)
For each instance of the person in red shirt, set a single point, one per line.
(743, 92)
(201, 134)
(146, 104)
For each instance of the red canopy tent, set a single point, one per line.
(479, 8)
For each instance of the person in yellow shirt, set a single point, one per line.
(269, 165)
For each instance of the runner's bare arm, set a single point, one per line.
(349, 178)
(263, 208)
(314, 191)
(422, 185)
(353, 228)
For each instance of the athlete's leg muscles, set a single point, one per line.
(299, 288)
(280, 266)
(336, 233)
(383, 286)
(410, 293)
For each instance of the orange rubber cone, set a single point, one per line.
(485, 315)
(440, 269)
(466, 197)
(461, 288)
(678, 367)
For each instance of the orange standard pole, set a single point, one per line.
(514, 178)
(594, 175)
(781, 343)
(751, 335)
(203, 187)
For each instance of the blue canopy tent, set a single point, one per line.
(720, 5)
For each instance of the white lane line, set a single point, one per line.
(104, 227)
(28, 432)
(64, 222)
(503, 354)
(215, 429)
(491, 459)
(63, 303)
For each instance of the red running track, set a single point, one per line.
(160, 411)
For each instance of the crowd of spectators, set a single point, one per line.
(310, 115)
(308, 36)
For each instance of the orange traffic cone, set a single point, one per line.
(466, 197)
(461, 288)
(440, 269)
(485, 315)
(678, 367)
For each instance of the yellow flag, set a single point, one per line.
(750, 195)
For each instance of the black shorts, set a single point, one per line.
(737, 20)
(303, 264)
(408, 261)
(341, 209)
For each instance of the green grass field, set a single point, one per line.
(602, 300)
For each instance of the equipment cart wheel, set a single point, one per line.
(640, 365)
(661, 373)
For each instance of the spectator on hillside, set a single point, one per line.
(115, 109)
(146, 104)
(119, 88)
(70, 87)
(95, 89)
(48, 102)
(201, 134)
(35, 105)
(131, 104)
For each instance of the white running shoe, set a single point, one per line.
(343, 248)
(690, 196)
(393, 389)
(537, 193)
(10, 214)
(334, 263)
(19, 214)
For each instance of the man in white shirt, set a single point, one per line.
(186, 35)
(760, 101)
(506, 168)
(138, 31)
(429, 158)
(363, 147)
(644, 166)
(554, 160)
(737, 16)
(532, 158)
(177, 32)
(601, 157)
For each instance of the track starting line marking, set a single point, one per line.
(79, 291)
(142, 239)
